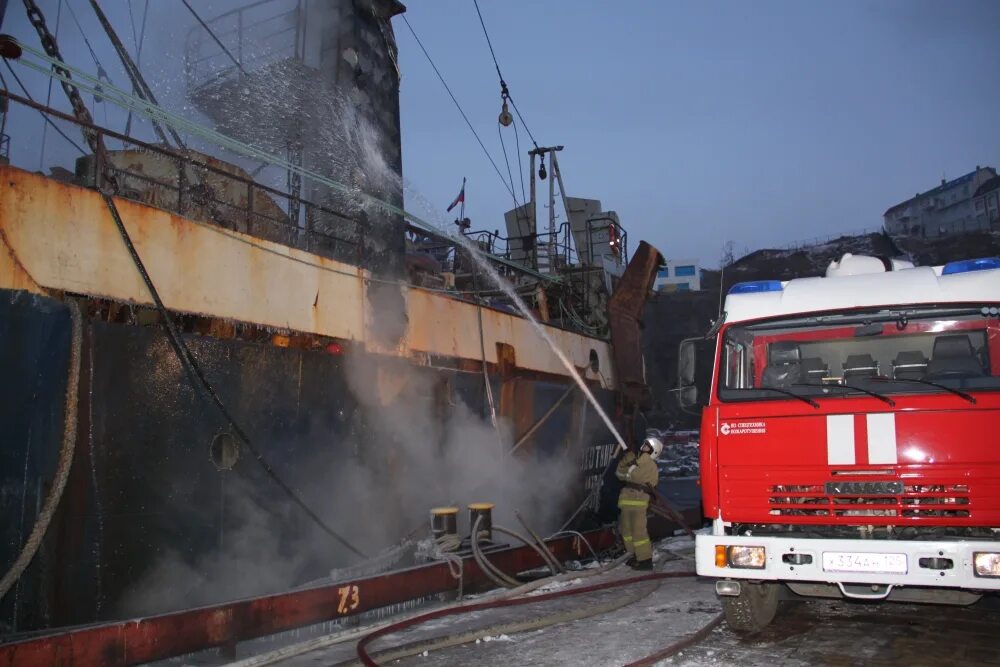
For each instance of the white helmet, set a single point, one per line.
(655, 446)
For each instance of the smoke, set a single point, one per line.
(413, 445)
(413, 442)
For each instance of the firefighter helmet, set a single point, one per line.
(655, 446)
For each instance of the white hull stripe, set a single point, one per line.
(840, 440)
(882, 438)
(881, 445)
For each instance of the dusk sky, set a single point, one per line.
(764, 123)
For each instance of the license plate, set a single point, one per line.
(839, 561)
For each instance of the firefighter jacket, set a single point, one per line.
(641, 471)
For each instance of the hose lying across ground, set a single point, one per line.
(582, 612)
(320, 643)
(506, 598)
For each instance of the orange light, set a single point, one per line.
(720, 555)
(280, 340)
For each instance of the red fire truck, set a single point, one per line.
(850, 446)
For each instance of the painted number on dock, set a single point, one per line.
(350, 598)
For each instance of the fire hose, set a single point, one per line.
(581, 612)
(320, 643)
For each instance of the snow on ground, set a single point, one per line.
(813, 632)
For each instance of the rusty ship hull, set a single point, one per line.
(149, 474)
(311, 319)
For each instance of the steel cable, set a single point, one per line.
(192, 367)
(48, 121)
(58, 484)
(503, 84)
(457, 105)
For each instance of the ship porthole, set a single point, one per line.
(595, 361)
(224, 451)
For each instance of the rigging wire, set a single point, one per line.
(459, 107)
(101, 72)
(503, 84)
(212, 34)
(48, 95)
(139, 85)
(510, 174)
(139, 41)
(44, 116)
(520, 163)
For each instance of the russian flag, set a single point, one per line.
(460, 199)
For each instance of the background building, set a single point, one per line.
(947, 209)
(986, 203)
(679, 275)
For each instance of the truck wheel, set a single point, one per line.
(753, 609)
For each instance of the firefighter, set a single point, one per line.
(639, 475)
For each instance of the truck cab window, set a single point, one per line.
(929, 350)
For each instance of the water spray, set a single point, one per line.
(124, 99)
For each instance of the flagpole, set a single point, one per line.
(461, 213)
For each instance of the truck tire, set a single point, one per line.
(753, 609)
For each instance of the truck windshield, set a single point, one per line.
(952, 350)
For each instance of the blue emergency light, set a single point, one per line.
(966, 265)
(755, 286)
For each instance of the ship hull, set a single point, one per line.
(158, 515)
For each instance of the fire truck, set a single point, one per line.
(850, 445)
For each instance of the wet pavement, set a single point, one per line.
(652, 616)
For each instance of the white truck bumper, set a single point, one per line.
(944, 564)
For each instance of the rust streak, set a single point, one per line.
(26, 280)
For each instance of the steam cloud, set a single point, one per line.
(418, 448)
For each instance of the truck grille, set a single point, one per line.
(870, 499)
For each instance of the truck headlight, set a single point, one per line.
(747, 557)
(986, 564)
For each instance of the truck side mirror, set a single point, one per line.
(687, 392)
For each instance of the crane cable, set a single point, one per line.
(139, 85)
(139, 40)
(48, 95)
(504, 91)
(48, 121)
(460, 109)
(101, 72)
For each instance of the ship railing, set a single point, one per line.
(543, 251)
(599, 232)
(192, 186)
(256, 34)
